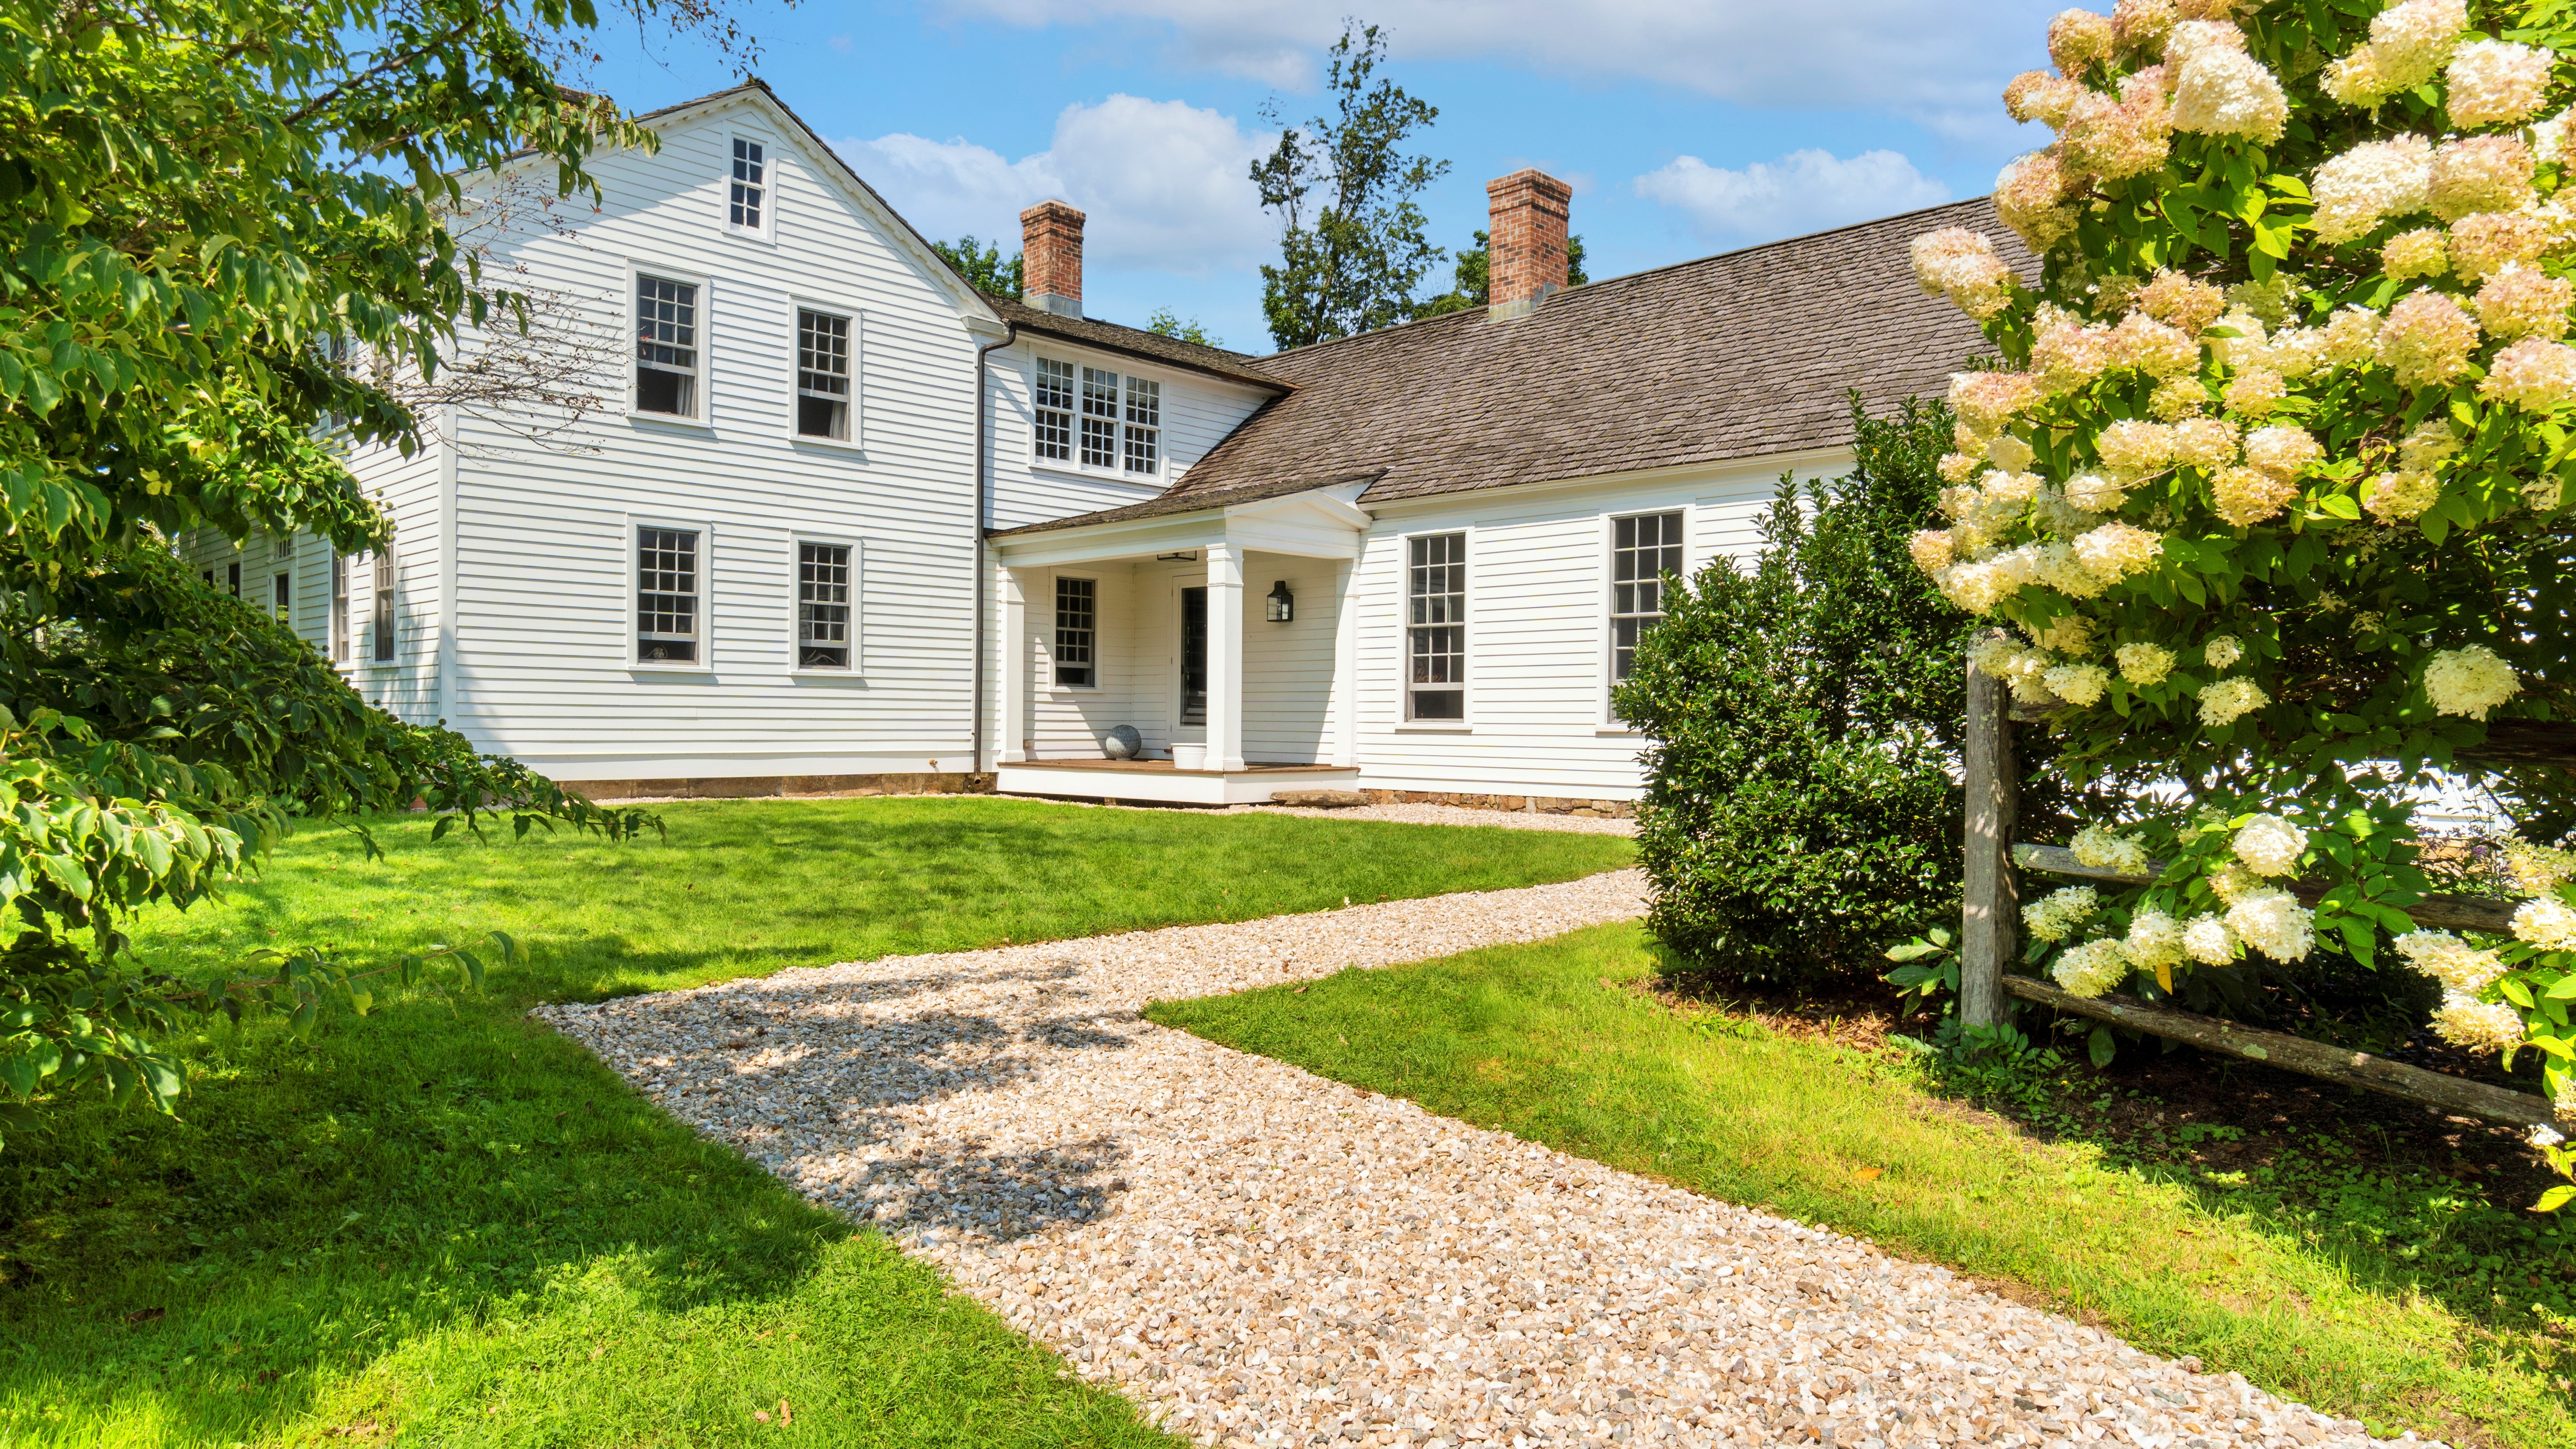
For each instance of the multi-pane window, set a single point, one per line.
(1144, 424)
(1436, 627)
(339, 607)
(1642, 550)
(1099, 418)
(1077, 614)
(1119, 421)
(822, 375)
(750, 184)
(1055, 409)
(381, 608)
(666, 596)
(666, 347)
(822, 606)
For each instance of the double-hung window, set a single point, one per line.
(669, 624)
(1436, 627)
(1099, 418)
(822, 606)
(666, 347)
(381, 609)
(1077, 616)
(750, 185)
(339, 606)
(1642, 550)
(822, 375)
(1144, 424)
(1093, 416)
(1055, 409)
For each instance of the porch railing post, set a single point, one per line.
(1987, 933)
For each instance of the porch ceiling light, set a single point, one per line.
(1282, 604)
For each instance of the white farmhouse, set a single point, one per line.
(837, 479)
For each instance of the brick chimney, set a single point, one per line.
(1526, 260)
(1051, 257)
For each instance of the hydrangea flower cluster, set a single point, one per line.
(2059, 914)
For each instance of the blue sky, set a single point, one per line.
(1686, 126)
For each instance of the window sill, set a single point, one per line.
(1435, 727)
(848, 675)
(673, 421)
(1630, 731)
(1099, 475)
(837, 445)
(640, 667)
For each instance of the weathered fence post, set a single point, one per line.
(1993, 909)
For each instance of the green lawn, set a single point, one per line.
(443, 1224)
(1545, 1040)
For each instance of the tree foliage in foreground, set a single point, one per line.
(1472, 282)
(1354, 242)
(1801, 809)
(202, 206)
(2275, 484)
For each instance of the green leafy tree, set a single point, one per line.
(983, 265)
(1472, 289)
(1167, 323)
(1353, 244)
(204, 207)
(1801, 811)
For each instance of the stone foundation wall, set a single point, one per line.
(764, 787)
(1539, 804)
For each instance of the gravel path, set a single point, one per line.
(1262, 1257)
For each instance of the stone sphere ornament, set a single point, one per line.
(1123, 743)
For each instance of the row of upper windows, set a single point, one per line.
(670, 359)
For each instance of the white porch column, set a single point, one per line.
(1225, 657)
(1346, 665)
(1011, 662)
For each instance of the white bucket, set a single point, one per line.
(1189, 757)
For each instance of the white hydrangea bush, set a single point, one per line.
(2270, 479)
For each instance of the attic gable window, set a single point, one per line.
(1118, 420)
(750, 184)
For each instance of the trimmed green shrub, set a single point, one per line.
(1802, 808)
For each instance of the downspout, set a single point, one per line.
(983, 514)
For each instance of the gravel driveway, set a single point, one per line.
(1263, 1257)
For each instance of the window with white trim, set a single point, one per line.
(339, 606)
(1436, 627)
(1144, 424)
(1099, 418)
(750, 185)
(822, 375)
(822, 606)
(666, 346)
(667, 616)
(381, 609)
(282, 595)
(1055, 409)
(1077, 617)
(1643, 549)
(232, 577)
(1117, 420)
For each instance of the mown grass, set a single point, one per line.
(441, 1223)
(1548, 1041)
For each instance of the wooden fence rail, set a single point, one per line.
(1989, 932)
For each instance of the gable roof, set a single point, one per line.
(906, 236)
(1742, 355)
(1136, 342)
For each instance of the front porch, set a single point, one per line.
(1223, 636)
(1165, 783)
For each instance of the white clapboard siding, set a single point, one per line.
(1288, 705)
(1198, 411)
(1538, 640)
(539, 645)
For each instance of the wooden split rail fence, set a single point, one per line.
(1990, 931)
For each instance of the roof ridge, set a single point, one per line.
(1645, 272)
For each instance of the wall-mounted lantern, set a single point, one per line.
(1282, 604)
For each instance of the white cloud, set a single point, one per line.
(1801, 192)
(1942, 65)
(1165, 185)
